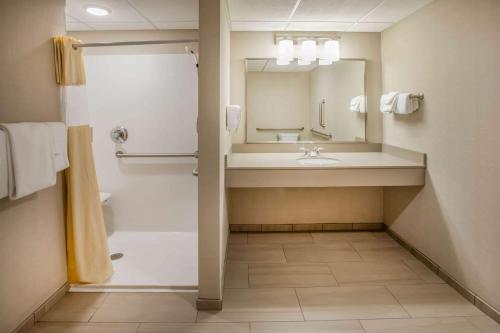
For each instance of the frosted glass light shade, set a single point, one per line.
(285, 49)
(330, 52)
(308, 50)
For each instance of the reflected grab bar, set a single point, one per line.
(121, 154)
(325, 135)
(280, 129)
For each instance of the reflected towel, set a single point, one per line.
(233, 117)
(388, 102)
(405, 104)
(30, 158)
(68, 61)
(358, 104)
(59, 135)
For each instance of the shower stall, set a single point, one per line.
(143, 112)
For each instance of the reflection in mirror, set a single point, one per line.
(305, 103)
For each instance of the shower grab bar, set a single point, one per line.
(325, 135)
(121, 154)
(280, 129)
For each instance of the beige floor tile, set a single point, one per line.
(84, 328)
(381, 249)
(381, 235)
(147, 307)
(321, 253)
(341, 326)
(195, 328)
(424, 325)
(75, 307)
(255, 253)
(328, 237)
(375, 244)
(349, 302)
(376, 272)
(238, 238)
(433, 300)
(279, 238)
(242, 305)
(290, 275)
(236, 275)
(423, 271)
(485, 324)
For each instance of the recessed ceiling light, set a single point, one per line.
(97, 10)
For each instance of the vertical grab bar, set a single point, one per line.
(322, 113)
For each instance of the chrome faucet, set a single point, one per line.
(313, 152)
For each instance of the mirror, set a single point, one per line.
(290, 103)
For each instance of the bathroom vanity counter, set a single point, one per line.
(352, 169)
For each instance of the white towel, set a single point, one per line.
(4, 173)
(59, 135)
(388, 102)
(30, 158)
(358, 104)
(233, 117)
(405, 104)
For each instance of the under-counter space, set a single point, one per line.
(353, 169)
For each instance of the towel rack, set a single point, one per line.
(417, 96)
(325, 135)
(280, 129)
(121, 154)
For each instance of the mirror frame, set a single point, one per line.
(304, 141)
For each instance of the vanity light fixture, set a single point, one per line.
(97, 10)
(310, 47)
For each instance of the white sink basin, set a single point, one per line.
(317, 161)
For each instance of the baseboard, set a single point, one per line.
(487, 309)
(204, 304)
(307, 227)
(28, 324)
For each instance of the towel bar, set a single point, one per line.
(121, 154)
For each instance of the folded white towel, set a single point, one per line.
(358, 104)
(388, 102)
(4, 173)
(233, 117)
(30, 158)
(59, 135)
(405, 104)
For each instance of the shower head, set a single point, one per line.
(195, 56)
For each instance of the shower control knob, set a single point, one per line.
(119, 134)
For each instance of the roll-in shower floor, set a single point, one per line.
(151, 260)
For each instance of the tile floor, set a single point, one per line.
(290, 282)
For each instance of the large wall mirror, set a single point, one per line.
(289, 103)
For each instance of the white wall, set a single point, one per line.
(277, 100)
(450, 51)
(337, 84)
(155, 98)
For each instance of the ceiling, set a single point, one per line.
(245, 15)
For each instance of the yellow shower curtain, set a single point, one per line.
(87, 247)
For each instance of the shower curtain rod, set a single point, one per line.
(140, 42)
